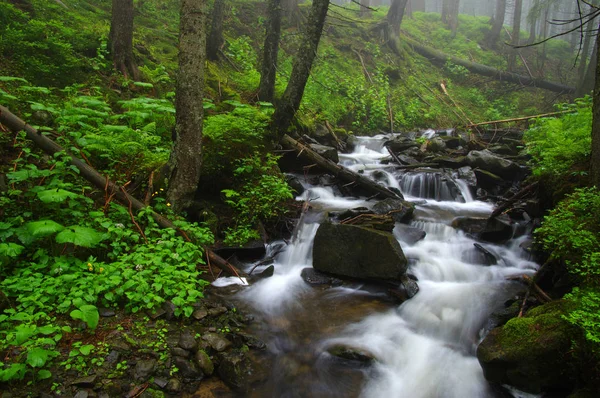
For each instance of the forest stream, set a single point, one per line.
(423, 348)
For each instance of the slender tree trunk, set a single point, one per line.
(516, 33)
(498, 23)
(121, 38)
(453, 9)
(266, 87)
(595, 159)
(532, 30)
(396, 14)
(309, 43)
(186, 157)
(589, 79)
(445, 10)
(215, 37)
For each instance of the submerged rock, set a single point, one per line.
(315, 278)
(351, 354)
(400, 210)
(408, 234)
(358, 252)
(532, 353)
(240, 371)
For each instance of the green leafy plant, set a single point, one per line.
(88, 314)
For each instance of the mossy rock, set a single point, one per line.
(532, 353)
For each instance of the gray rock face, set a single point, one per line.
(400, 210)
(436, 144)
(357, 252)
(144, 368)
(410, 235)
(399, 144)
(327, 152)
(486, 160)
(187, 341)
(187, 368)
(216, 341)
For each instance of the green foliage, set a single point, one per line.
(586, 315)
(571, 232)
(261, 196)
(234, 135)
(88, 314)
(558, 144)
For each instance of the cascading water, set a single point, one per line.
(423, 348)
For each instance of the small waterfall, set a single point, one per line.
(424, 348)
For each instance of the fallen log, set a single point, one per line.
(519, 119)
(15, 124)
(436, 56)
(339, 171)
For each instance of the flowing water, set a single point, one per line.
(424, 347)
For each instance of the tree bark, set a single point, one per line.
(441, 58)
(338, 171)
(266, 87)
(186, 157)
(445, 10)
(120, 38)
(102, 182)
(453, 9)
(588, 81)
(498, 23)
(215, 37)
(595, 158)
(516, 34)
(395, 15)
(290, 101)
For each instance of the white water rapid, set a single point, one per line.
(425, 348)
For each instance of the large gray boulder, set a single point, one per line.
(357, 252)
(327, 152)
(400, 210)
(488, 161)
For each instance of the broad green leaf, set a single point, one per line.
(80, 236)
(86, 349)
(24, 332)
(88, 314)
(15, 371)
(37, 357)
(48, 329)
(40, 229)
(143, 84)
(10, 250)
(12, 79)
(55, 195)
(44, 374)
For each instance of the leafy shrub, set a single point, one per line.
(557, 144)
(261, 196)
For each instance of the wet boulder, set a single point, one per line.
(409, 235)
(400, 210)
(349, 353)
(357, 252)
(532, 353)
(328, 152)
(467, 174)
(496, 230)
(495, 164)
(436, 144)
(241, 371)
(401, 143)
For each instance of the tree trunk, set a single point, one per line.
(595, 159)
(395, 15)
(516, 34)
(453, 9)
(445, 10)
(290, 101)
(215, 37)
(588, 81)
(266, 87)
(121, 38)
(441, 58)
(498, 23)
(532, 30)
(186, 157)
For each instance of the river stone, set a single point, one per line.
(486, 160)
(200, 314)
(240, 371)
(204, 362)
(144, 368)
(410, 286)
(436, 144)
(467, 174)
(327, 152)
(357, 252)
(316, 278)
(532, 353)
(187, 341)
(180, 352)
(351, 354)
(216, 341)
(409, 235)
(187, 368)
(86, 382)
(495, 230)
(173, 386)
(400, 143)
(400, 210)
